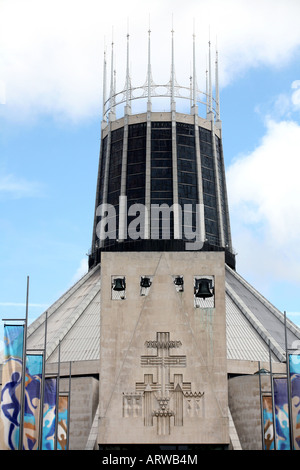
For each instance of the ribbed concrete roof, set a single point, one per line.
(255, 312)
(74, 321)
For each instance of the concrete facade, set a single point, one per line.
(244, 403)
(84, 403)
(163, 370)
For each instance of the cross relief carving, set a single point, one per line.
(168, 398)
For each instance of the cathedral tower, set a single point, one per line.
(161, 181)
(162, 238)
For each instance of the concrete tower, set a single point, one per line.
(161, 181)
(162, 237)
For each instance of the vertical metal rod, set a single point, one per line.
(23, 372)
(104, 85)
(217, 89)
(69, 407)
(57, 398)
(194, 72)
(261, 410)
(43, 389)
(288, 382)
(127, 74)
(209, 78)
(149, 72)
(206, 91)
(112, 86)
(172, 73)
(191, 91)
(272, 393)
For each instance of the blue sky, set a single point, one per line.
(51, 55)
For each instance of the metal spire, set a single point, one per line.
(209, 79)
(194, 74)
(172, 72)
(191, 90)
(128, 105)
(217, 89)
(207, 100)
(104, 84)
(149, 71)
(112, 85)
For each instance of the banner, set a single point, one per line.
(62, 429)
(268, 422)
(294, 365)
(12, 385)
(281, 414)
(33, 381)
(49, 414)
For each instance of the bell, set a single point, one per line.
(119, 284)
(178, 281)
(145, 282)
(204, 288)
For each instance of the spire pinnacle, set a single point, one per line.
(104, 83)
(128, 106)
(112, 84)
(194, 110)
(172, 72)
(149, 70)
(217, 89)
(209, 80)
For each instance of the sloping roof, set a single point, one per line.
(73, 320)
(253, 324)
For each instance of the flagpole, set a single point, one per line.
(41, 421)
(57, 399)
(261, 410)
(288, 383)
(23, 372)
(272, 392)
(69, 406)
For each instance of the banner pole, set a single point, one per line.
(24, 372)
(288, 382)
(261, 410)
(69, 406)
(57, 398)
(41, 421)
(272, 392)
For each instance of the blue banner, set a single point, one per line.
(62, 431)
(268, 422)
(294, 365)
(281, 414)
(33, 381)
(49, 414)
(12, 385)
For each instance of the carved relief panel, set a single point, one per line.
(165, 399)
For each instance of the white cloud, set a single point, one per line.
(81, 270)
(264, 196)
(52, 51)
(266, 181)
